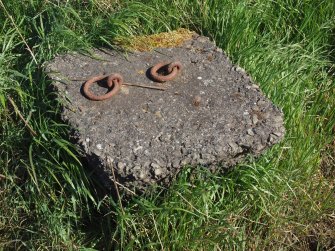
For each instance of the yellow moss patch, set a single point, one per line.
(162, 40)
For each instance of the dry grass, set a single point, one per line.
(328, 162)
(107, 5)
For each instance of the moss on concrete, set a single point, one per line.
(161, 40)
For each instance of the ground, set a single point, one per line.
(284, 200)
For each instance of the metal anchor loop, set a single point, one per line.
(114, 82)
(172, 71)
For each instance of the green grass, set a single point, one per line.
(282, 201)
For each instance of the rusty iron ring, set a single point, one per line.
(114, 80)
(172, 68)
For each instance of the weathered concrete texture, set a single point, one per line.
(211, 114)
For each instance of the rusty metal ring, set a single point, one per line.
(172, 69)
(114, 80)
